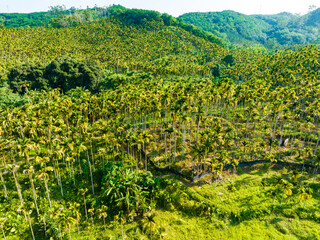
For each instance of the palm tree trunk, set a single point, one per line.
(175, 146)
(92, 222)
(317, 144)
(34, 193)
(315, 174)
(30, 225)
(275, 127)
(85, 206)
(184, 145)
(69, 233)
(18, 187)
(198, 126)
(60, 231)
(60, 183)
(4, 235)
(91, 177)
(4, 185)
(47, 190)
(92, 157)
(165, 145)
(122, 230)
(73, 177)
(78, 227)
(170, 148)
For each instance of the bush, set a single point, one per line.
(67, 73)
(27, 76)
(125, 190)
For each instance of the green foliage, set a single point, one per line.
(135, 17)
(28, 76)
(67, 73)
(8, 98)
(272, 31)
(16, 20)
(125, 190)
(115, 46)
(174, 104)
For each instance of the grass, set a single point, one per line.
(210, 211)
(176, 225)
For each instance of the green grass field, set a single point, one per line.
(205, 210)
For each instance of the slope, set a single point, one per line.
(117, 46)
(270, 30)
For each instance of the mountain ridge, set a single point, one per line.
(272, 31)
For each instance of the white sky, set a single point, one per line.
(173, 7)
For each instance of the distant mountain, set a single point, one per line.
(60, 17)
(272, 31)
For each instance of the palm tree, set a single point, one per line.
(305, 194)
(30, 170)
(44, 176)
(150, 220)
(198, 152)
(14, 169)
(83, 193)
(66, 221)
(120, 217)
(56, 212)
(27, 214)
(103, 213)
(74, 210)
(169, 130)
(199, 118)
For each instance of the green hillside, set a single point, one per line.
(272, 31)
(139, 126)
(114, 45)
(60, 17)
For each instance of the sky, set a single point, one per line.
(172, 7)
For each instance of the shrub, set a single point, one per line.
(27, 76)
(125, 190)
(67, 73)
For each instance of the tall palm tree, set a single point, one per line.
(74, 211)
(14, 170)
(83, 193)
(30, 170)
(103, 213)
(23, 209)
(67, 221)
(44, 176)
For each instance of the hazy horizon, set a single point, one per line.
(175, 8)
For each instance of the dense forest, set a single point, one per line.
(272, 31)
(136, 125)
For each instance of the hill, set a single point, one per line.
(60, 17)
(115, 45)
(139, 126)
(272, 31)
(169, 157)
